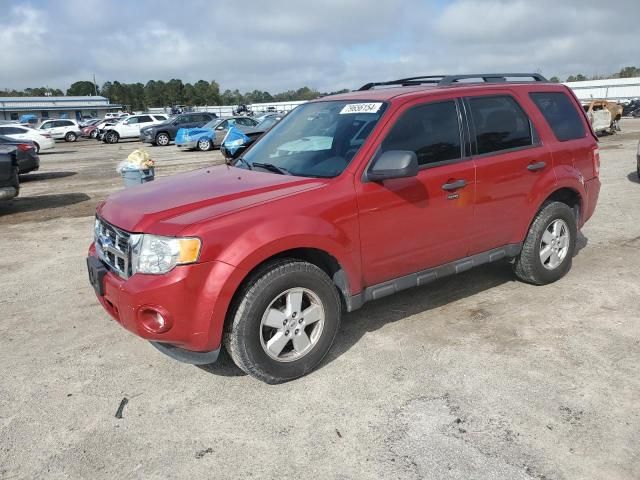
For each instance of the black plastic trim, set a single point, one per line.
(423, 277)
(448, 80)
(187, 356)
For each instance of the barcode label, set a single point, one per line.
(361, 108)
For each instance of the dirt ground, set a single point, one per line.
(475, 377)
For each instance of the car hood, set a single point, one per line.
(158, 125)
(168, 205)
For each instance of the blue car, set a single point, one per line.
(211, 134)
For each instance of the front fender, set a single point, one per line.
(272, 237)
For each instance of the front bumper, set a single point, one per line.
(193, 300)
(187, 144)
(147, 137)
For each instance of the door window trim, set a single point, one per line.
(536, 141)
(465, 153)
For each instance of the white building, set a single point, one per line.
(12, 108)
(619, 89)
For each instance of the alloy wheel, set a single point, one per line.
(292, 325)
(554, 244)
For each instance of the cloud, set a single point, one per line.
(328, 45)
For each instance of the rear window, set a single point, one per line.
(500, 124)
(561, 115)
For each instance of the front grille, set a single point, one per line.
(112, 245)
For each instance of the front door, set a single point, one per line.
(411, 224)
(130, 128)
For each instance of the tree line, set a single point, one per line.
(625, 72)
(158, 93)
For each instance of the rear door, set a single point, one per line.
(510, 159)
(410, 224)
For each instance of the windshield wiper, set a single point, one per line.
(242, 160)
(272, 168)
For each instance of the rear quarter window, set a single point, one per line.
(561, 114)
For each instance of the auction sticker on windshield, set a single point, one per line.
(361, 108)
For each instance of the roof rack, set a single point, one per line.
(446, 80)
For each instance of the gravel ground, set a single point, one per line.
(476, 377)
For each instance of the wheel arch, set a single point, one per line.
(570, 197)
(319, 257)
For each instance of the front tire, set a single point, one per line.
(548, 250)
(284, 321)
(70, 137)
(93, 134)
(162, 139)
(111, 137)
(205, 145)
(36, 146)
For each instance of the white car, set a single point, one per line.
(61, 129)
(130, 127)
(41, 140)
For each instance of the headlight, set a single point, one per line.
(156, 255)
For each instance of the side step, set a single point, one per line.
(423, 277)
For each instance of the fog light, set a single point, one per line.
(153, 320)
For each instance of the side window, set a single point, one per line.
(500, 124)
(132, 120)
(160, 117)
(224, 125)
(431, 130)
(145, 119)
(9, 131)
(65, 123)
(561, 115)
(248, 122)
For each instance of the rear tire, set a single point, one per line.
(548, 250)
(70, 137)
(283, 321)
(205, 145)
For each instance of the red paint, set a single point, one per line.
(376, 231)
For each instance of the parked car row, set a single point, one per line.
(61, 129)
(41, 140)
(16, 157)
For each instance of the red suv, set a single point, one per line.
(349, 198)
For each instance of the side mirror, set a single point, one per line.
(393, 164)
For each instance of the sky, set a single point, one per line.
(329, 45)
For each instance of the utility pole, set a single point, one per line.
(95, 87)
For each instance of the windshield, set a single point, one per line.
(316, 139)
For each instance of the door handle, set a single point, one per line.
(532, 167)
(455, 185)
